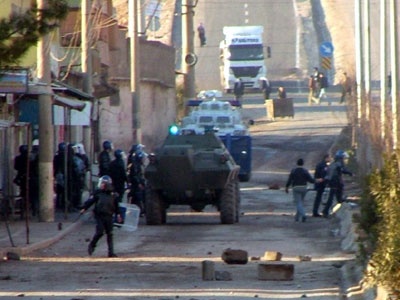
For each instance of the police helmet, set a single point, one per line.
(133, 149)
(118, 153)
(139, 148)
(139, 156)
(107, 145)
(75, 148)
(105, 183)
(340, 154)
(23, 149)
(61, 147)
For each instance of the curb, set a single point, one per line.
(23, 250)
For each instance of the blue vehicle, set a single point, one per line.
(239, 146)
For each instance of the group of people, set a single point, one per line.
(70, 166)
(317, 84)
(123, 174)
(26, 164)
(114, 178)
(265, 86)
(327, 174)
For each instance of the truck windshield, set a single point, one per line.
(246, 52)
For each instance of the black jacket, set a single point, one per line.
(118, 174)
(299, 177)
(334, 175)
(101, 195)
(104, 163)
(321, 171)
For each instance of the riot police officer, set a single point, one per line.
(106, 205)
(105, 159)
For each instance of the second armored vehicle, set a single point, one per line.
(225, 119)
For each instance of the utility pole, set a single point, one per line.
(383, 51)
(135, 69)
(359, 55)
(394, 68)
(367, 58)
(46, 134)
(86, 62)
(189, 58)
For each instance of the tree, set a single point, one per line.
(19, 32)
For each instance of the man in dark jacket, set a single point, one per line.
(118, 174)
(21, 166)
(334, 178)
(34, 178)
(59, 175)
(136, 179)
(320, 183)
(323, 84)
(265, 87)
(105, 207)
(202, 34)
(105, 159)
(298, 179)
(238, 89)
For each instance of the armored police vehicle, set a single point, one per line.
(194, 170)
(224, 118)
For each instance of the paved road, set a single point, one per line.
(164, 262)
(278, 19)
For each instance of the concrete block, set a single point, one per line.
(208, 272)
(275, 271)
(233, 256)
(272, 255)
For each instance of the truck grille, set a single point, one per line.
(245, 71)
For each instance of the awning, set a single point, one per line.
(68, 102)
(61, 87)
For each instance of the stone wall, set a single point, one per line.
(157, 96)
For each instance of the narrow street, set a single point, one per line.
(165, 262)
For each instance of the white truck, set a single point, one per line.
(242, 56)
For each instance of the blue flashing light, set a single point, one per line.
(173, 130)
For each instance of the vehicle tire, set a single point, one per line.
(227, 204)
(244, 177)
(155, 210)
(238, 200)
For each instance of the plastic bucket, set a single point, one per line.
(130, 214)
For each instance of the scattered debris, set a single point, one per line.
(13, 256)
(274, 186)
(304, 258)
(272, 255)
(232, 256)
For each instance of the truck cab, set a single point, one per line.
(242, 56)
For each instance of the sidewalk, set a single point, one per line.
(24, 237)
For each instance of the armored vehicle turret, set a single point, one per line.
(193, 170)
